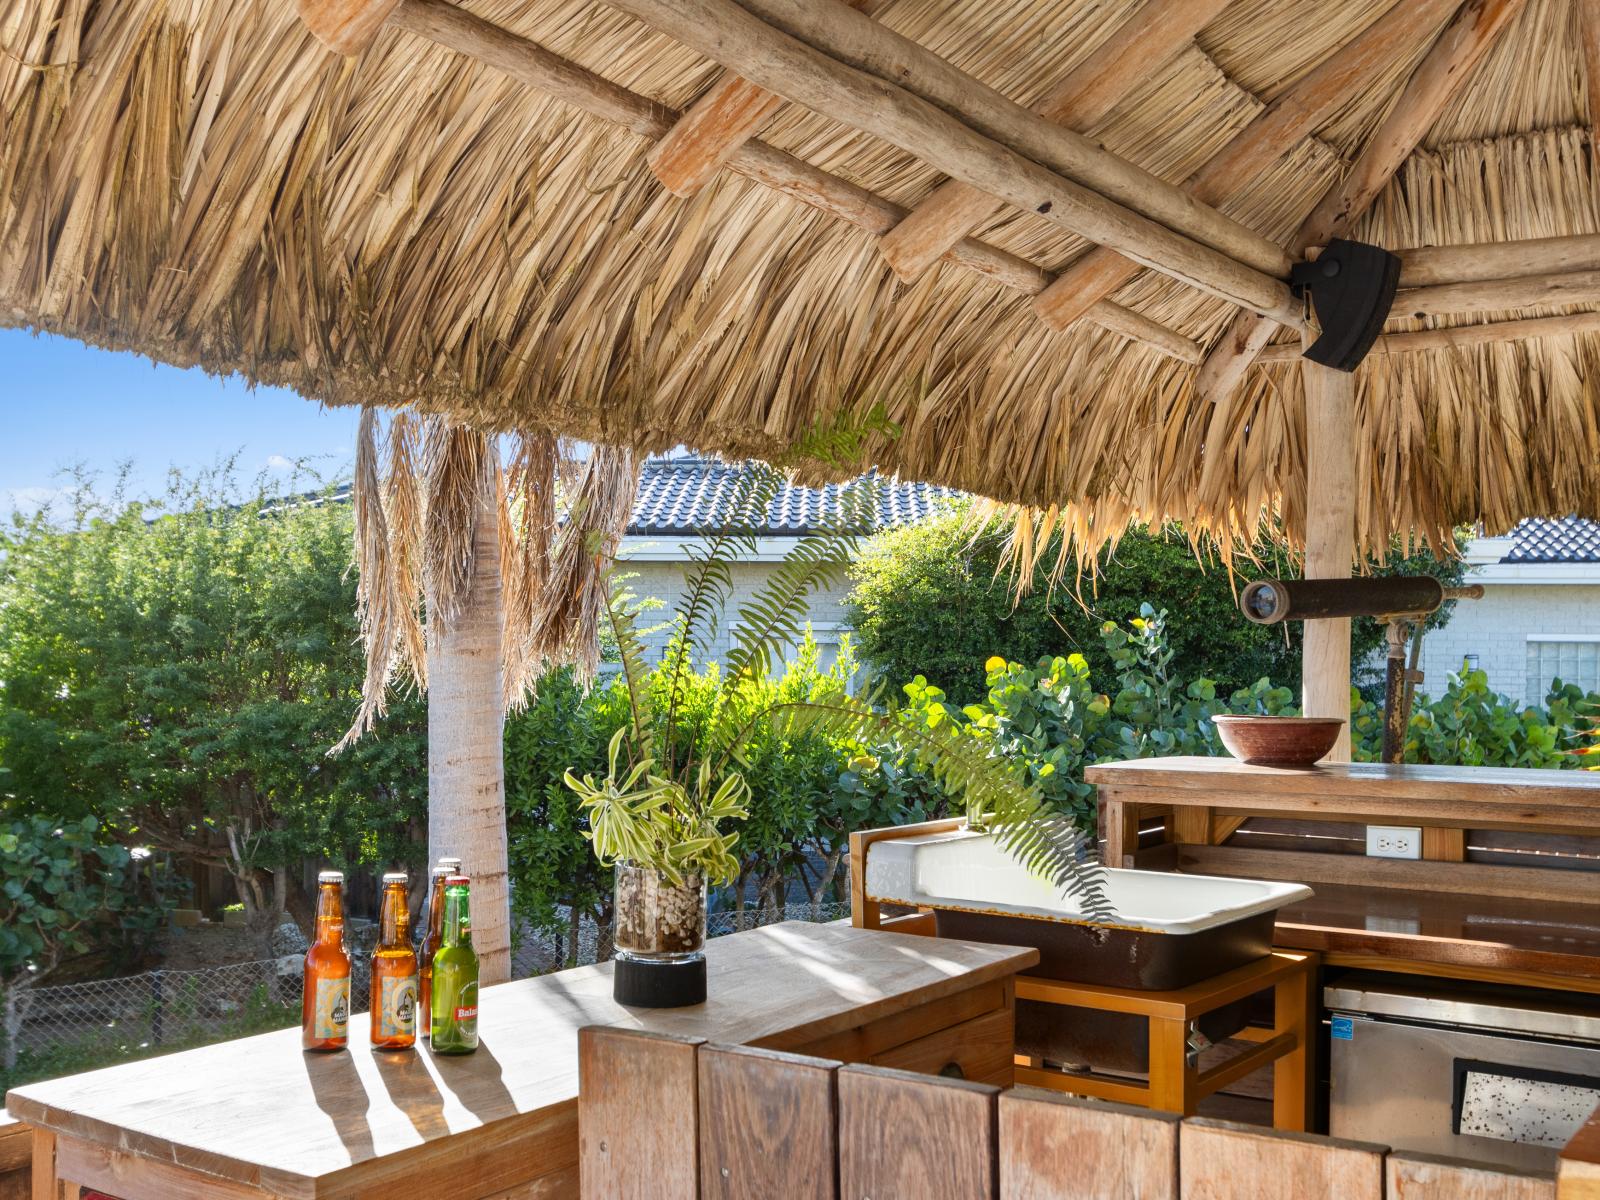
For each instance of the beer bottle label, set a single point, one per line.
(466, 1013)
(333, 1008)
(398, 1002)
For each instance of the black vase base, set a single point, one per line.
(639, 983)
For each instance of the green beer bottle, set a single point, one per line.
(454, 995)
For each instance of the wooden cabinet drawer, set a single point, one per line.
(980, 1049)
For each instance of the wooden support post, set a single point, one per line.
(1330, 533)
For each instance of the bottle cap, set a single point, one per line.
(457, 881)
(395, 877)
(330, 876)
(441, 872)
(451, 864)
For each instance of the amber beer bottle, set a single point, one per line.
(454, 1000)
(394, 971)
(325, 1006)
(432, 935)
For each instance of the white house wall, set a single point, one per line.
(1498, 628)
(664, 581)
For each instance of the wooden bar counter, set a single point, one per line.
(1507, 889)
(260, 1118)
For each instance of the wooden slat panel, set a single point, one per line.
(638, 1110)
(1517, 883)
(1311, 837)
(1424, 1177)
(1222, 1161)
(909, 1137)
(1060, 1148)
(130, 1178)
(1526, 848)
(16, 1143)
(767, 1125)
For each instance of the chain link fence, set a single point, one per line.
(53, 1030)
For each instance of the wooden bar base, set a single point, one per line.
(1175, 1085)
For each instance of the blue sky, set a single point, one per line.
(62, 403)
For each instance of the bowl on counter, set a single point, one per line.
(1278, 741)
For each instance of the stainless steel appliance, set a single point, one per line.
(1498, 1075)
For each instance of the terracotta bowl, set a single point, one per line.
(1279, 741)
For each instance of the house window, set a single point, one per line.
(1571, 658)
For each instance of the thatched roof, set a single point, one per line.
(206, 184)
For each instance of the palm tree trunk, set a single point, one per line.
(466, 767)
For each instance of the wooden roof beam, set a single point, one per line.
(825, 40)
(1428, 266)
(1276, 130)
(1498, 295)
(871, 103)
(1460, 337)
(1142, 45)
(1436, 80)
(716, 125)
(447, 25)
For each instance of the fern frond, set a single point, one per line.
(635, 670)
(995, 793)
(709, 582)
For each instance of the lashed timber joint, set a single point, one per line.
(450, 26)
(713, 127)
(345, 26)
(1151, 37)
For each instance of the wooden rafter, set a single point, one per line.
(801, 72)
(1497, 295)
(1437, 78)
(447, 25)
(854, 52)
(345, 26)
(1427, 266)
(1461, 337)
(1276, 130)
(1151, 37)
(716, 125)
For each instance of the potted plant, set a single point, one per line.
(674, 782)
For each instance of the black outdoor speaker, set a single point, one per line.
(1352, 287)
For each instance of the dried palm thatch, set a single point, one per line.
(204, 184)
(414, 550)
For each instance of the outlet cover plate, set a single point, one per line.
(1394, 841)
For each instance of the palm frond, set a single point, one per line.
(376, 598)
(995, 793)
(527, 529)
(457, 465)
(403, 507)
(575, 595)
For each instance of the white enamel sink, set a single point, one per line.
(966, 872)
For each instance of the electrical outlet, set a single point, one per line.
(1394, 841)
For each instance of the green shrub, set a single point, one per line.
(926, 600)
(1471, 726)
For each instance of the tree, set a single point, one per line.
(934, 599)
(176, 667)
